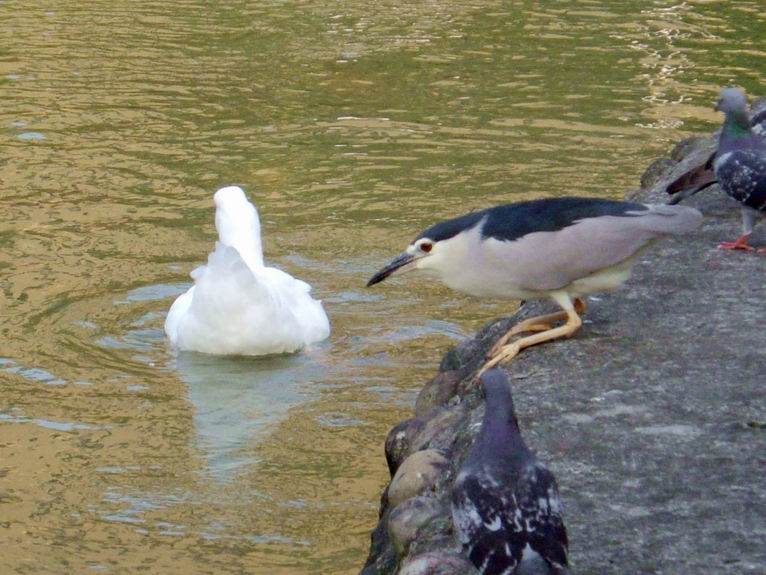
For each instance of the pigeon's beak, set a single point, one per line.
(400, 264)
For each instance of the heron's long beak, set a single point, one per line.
(399, 265)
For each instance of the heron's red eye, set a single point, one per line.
(426, 247)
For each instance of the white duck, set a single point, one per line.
(237, 305)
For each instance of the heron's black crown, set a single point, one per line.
(513, 221)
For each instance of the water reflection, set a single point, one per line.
(239, 401)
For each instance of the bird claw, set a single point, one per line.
(515, 330)
(739, 244)
(505, 353)
(511, 350)
(536, 324)
(736, 246)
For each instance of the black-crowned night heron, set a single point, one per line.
(738, 165)
(561, 249)
(505, 503)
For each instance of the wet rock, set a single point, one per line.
(438, 431)
(382, 557)
(436, 563)
(398, 442)
(655, 171)
(405, 521)
(451, 361)
(439, 533)
(687, 146)
(439, 390)
(469, 354)
(416, 474)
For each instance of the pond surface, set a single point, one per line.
(352, 126)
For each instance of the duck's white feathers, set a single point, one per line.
(237, 305)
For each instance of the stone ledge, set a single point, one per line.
(649, 416)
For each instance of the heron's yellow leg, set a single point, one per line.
(539, 323)
(511, 350)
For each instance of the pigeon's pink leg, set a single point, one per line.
(739, 244)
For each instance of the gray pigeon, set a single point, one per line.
(505, 503)
(738, 165)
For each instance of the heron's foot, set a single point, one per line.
(739, 244)
(541, 323)
(511, 350)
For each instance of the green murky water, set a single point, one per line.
(351, 125)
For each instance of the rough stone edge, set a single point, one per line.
(448, 404)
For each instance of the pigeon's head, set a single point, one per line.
(731, 100)
(498, 400)
(497, 388)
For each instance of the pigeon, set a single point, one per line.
(238, 305)
(505, 503)
(738, 165)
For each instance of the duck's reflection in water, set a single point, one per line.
(239, 401)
